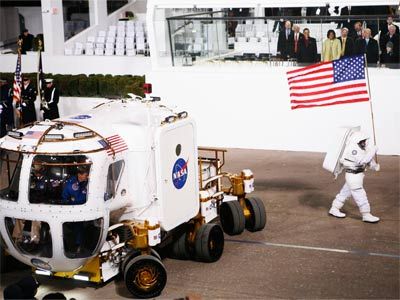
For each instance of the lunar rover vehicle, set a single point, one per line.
(96, 194)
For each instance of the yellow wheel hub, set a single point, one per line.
(146, 277)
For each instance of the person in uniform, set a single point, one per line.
(51, 98)
(74, 193)
(75, 189)
(356, 157)
(6, 108)
(28, 96)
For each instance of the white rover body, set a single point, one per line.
(148, 191)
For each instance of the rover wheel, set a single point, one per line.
(232, 217)
(145, 276)
(129, 256)
(209, 243)
(180, 248)
(257, 219)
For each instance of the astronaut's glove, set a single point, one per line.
(374, 166)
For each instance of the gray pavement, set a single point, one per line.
(302, 253)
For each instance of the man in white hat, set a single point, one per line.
(51, 97)
(356, 157)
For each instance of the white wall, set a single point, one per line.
(33, 19)
(247, 106)
(9, 23)
(114, 65)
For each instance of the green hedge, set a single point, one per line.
(94, 85)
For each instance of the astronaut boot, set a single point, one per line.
(335, 209)
(367, 217)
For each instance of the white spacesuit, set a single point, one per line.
(356, 157)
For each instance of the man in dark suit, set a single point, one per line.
(356, 32)
(27, 41)
(347, 44)
(297, 37)
(308, 48)
(385, 28)
(393, 37)
(368, 46)
(285, 41)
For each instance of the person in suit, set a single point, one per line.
(356, 32)
(393, 37)
(389, 57)
(389, 22)
(308, 48)
(331, 47)
(28, 95)
(285, 41)
(346, 43)
(27, 41)
(297, 37)
(367, 45)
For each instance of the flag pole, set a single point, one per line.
(18, 110)
(370, 104)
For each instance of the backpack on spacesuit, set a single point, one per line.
(336, 149)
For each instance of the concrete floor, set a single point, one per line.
(302, 253)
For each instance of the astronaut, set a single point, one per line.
(356, 157)
(75, 189)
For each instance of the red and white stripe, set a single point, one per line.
(117, 144)
(17, 84)
(314, 86)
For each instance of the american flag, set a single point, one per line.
(32, 134)
(117, 144)
(17, 85)
(329, 83)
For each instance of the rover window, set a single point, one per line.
(114, 174)
(81, 238)
(59, 179)
(10, 166)
(30, 237)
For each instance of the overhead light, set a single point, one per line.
(82, 276)
(51, 136)
(83, 134)
(42, 272)
(147, 88)
(15, 134)
(182, 114)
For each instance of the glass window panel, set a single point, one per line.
(81, 238)
(113, 176)
(59, 180)
(10, 166)
(30, 237)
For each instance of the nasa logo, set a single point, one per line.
(180, 173)
(75, 186)
(81, 117)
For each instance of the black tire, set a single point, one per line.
(258, 217)
(155, 254)
(180, 248)
(209, 243)
(145, 276)
(232, 217)
(129, 256)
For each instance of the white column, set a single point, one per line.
(97, 12)
(53, 26)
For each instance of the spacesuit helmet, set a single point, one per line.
(360, 138)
